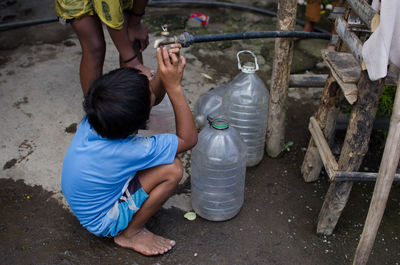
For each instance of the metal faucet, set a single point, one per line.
(165, 39)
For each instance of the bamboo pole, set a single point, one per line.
(387, 170)
(286, 21)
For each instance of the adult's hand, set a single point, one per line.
(138, 32)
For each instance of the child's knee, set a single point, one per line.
(176, 170)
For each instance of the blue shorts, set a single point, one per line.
(129, 203)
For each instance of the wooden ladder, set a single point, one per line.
(349, 79)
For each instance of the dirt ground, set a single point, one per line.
(276, 224)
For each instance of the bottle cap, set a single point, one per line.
(219, 124)
(249, 67)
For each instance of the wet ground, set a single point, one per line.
(277, 222)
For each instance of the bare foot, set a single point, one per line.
(145, 242)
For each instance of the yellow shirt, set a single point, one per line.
(109, 11)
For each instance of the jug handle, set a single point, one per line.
(240, 65)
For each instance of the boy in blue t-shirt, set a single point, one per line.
(114, 179)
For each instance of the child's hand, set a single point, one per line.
(170, 68)
(175, 48)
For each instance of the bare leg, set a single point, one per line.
(308, 26)
(126, 50)
(159, 182)
(91, 38)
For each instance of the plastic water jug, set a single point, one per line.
(208, 104)
(162, 117)
(218, 172)
(245, 105)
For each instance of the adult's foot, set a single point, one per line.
(144, 242)
(308, 27)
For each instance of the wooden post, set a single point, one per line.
(354, 148)
(349, 38)
(286, 20)
(368, 15)
(326, 117)
(387, 170)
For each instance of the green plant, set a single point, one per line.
(287, 145)
(386, 101)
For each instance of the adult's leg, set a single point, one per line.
(126, 50)
(91, 38)
(159, 182)
(312, 14)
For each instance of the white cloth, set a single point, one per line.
(384, 44)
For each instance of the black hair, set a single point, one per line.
(118, 103)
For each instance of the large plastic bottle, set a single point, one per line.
(208, 105)
(218, 172)
(245, 105)
(162, 117)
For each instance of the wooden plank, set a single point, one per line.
(354, 148)
(325, 152)
(349, 89)
(327, 113)
(307, 80)
(283, 54)
(386, 174)
(349, 38)
(344, 64)
(352, 72)
(367, 14)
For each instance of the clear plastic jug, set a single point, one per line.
(208, 104)
(162, 117)
(245, 105)
(218, 172)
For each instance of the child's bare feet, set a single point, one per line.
(145, 242)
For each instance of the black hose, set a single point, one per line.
(186, 39)
(262, 34)
(21, 24)
(223, 4)
(15, 25)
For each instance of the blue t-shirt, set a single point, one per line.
(96, 169)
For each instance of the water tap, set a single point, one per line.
(185, 39)
(165, 39)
